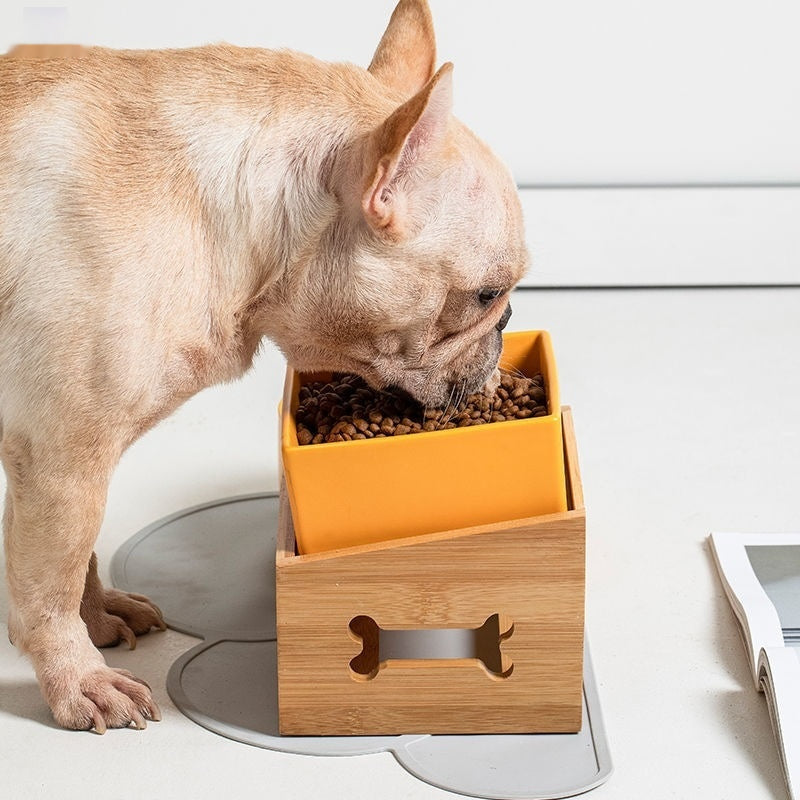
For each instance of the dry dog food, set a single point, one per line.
(347, 408)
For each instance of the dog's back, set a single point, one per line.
(128, 131)
(118, 166)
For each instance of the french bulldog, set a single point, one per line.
(163, 211)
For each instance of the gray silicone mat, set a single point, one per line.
(211, 569)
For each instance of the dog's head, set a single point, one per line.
(414, 275)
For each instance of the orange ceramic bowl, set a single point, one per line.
(350, 493)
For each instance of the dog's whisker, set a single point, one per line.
(510, 369)
(459, 398)
(443, 417)
(463, 392)
(448, 405)
(456, 402)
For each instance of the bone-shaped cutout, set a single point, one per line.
(380, 646)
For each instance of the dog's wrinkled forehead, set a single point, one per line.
(480, 210)
(472, 242)
(485, 265)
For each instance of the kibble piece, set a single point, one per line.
(344, 390)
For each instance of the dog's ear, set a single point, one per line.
(406, 56)
(414, 133)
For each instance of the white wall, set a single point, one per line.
(663, 237)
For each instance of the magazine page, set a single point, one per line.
(735, 554)
(779, 677)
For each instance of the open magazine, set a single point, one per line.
(761, 576)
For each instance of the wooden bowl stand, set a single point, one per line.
(525, 576)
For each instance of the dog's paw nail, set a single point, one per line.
(98, 723)
(138, 721)
(134, 678)
(129, 636)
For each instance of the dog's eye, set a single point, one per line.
(485, 296)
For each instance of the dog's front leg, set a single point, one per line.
(55, 503)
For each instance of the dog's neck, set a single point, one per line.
(265, 203)
(269, 185)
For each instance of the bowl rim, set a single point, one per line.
(289, 426)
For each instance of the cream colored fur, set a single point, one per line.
(160, 213)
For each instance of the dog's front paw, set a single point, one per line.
(99, 699)
(112, 616)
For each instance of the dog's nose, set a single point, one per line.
(504, 319)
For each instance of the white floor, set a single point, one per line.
(687, 411)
